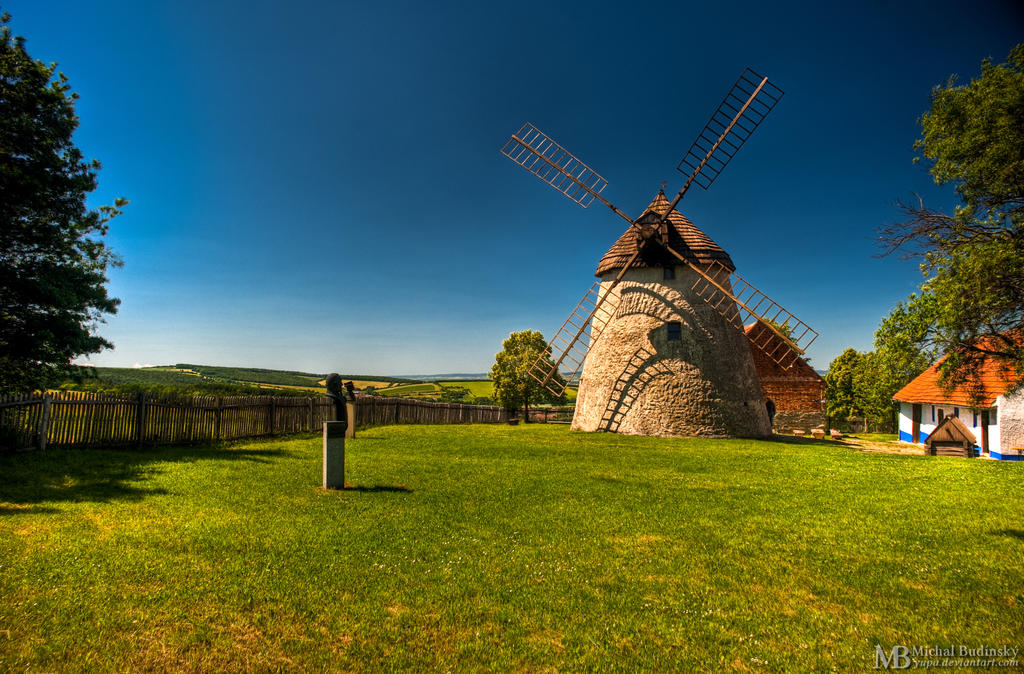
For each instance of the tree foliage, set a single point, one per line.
(903, 347)
(844, 384)
(53, 261)
(513, 386)
(971, 303)
(862, 385)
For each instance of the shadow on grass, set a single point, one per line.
(26, 510)
(99, 475)
(1011, 533)
(378, 488)
(797, 440)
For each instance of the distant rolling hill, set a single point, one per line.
(189, 378)
(192, 379)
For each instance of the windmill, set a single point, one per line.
(659, 338)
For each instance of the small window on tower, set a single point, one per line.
(670, 272)
(675, 332)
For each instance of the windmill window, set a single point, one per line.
(956, 412)
(992, 420)
(933, 413)
(675, 331)
(974, 417)
(670, 272)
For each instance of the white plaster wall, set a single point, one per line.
(966, 415)
(1011, 422)
(927, 425)
(906, 419)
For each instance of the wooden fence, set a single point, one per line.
(862, 425)
(75, 419)
(552, 415)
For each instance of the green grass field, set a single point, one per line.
(485, 388)
(499, 547)
(482, 388)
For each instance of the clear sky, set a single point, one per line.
(318, 185)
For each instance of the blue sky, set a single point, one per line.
(318, 185)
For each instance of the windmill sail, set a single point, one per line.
(573, 340)
(739, 301)
(743, 109)
(532, 149)
(552, 163)
(580, 331)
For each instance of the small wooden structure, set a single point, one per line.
(951, 438)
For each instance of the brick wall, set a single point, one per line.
(799, 394)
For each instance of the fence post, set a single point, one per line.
(44, 423)
(310, 413)
(216, 418)
(140, 417)
(273, 414)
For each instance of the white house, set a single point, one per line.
(998, 422)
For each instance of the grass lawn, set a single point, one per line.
(500, 547)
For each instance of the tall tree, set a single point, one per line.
(971, 304)
(514, 388)
(844, 385)
(903, 345)
(53, 261)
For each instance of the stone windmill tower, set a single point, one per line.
(659, 338)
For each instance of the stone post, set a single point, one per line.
(334, 454)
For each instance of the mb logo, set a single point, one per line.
(897, 658)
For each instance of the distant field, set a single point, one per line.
(159, 380)
(186, 378)
(216, 380)
(412, 391)
(482, 389)
(485, 388)
(254, 374)
(376, 383)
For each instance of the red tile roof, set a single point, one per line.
(766, 367)
(996, 378)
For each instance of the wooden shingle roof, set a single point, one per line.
(683, 236)
(951, 429)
